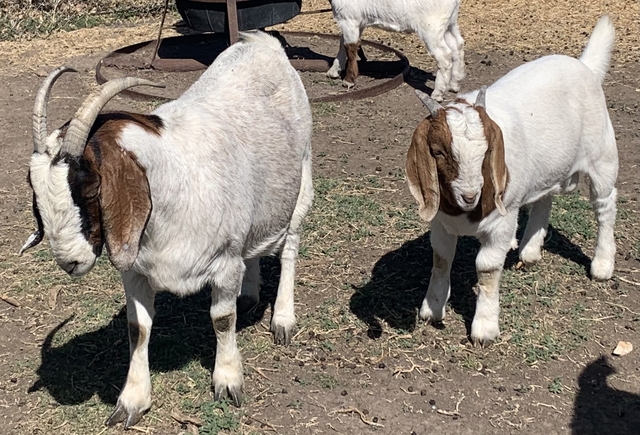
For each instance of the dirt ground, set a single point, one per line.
(360, 362)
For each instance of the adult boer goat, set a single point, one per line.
(189, 196)
(435, 22)
(475, 162)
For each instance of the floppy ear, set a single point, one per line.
(422, 174)
(125, 202)
(494, 162)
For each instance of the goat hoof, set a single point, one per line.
(121, 414)
(244, 304)
(348, 85)
(481, 343)
(233, 392)
(333, 74)
(281, 336)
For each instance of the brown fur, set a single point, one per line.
(494, 169)
(137, 335)
(352, 62)
(430, 176)
(125, 199)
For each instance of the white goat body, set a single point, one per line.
(435, 22)
(528, 138)
(210, 183)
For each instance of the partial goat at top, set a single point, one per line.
(188, 197)
(435, 22)
(473, 163)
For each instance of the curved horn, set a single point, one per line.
(80, 126)
(431, 104)
(481, 98)
(40, 109)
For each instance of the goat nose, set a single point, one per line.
(69, 267)
(469, 198)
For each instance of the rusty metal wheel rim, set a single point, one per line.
(371, 91)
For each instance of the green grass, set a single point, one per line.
(20, 21)
(364, 270)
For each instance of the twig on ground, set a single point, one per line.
(628, 281)
(265, 423)
(360, 413)
(452, 413)
(623, 307)
(10, 300)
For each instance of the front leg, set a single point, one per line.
(444, 249)
(227, 374)
(489, 262)
(135, 397)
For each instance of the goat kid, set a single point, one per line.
(473, 163)
(189, 196)
(435, 22)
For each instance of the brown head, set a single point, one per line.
(87, 189)
(456, 161)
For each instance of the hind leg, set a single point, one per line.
(454, 40)
(339, 63)
(604, 205)
(534, 234)
(284, 319)
(250, 292)
(434, 39)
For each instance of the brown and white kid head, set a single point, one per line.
(456, 160)
(88, 190)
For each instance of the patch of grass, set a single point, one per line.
(20, 21)
(555, 386)
(323, 109)
(326, 381)
(218, 416)
(574, 216)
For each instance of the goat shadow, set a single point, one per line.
(400, 279)
(600, 409)
(96, 362)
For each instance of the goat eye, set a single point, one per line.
(438, 153)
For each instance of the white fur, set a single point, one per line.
(60, 216)
(435, 22)
(230, 181)
(555, 124)
(468, 149)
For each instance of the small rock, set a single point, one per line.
(343, 393)
(410, 389)
(623, 348)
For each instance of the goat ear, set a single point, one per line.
(422, 173)
(495, 159)
(125, 202)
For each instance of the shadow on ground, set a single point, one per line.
(400, 279)
(96, 362)
(600, 409)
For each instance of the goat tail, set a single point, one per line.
(597, 54)
(260, 37)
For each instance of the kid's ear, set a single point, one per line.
(422, 173)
